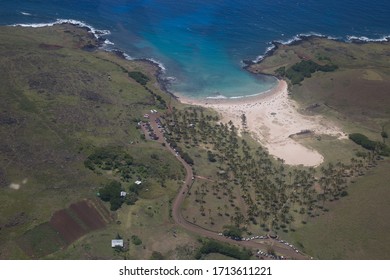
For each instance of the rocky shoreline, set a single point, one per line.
(100, 42)
(298, 39)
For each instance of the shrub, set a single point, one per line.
(155, 156)
(211, 156)
(211, 246)
(301, 70)
(233, 232)
(281, 71)
(115, 203)
(187, 158)
(368, 144)
(136, 240)
(344, 193)
(108, 157)
(131, 198)
(139, 77)
(156, 256)
(111, 192)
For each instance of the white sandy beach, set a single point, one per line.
(271, 118)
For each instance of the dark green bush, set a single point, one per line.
(136, 240)
(111, 192)
(301, 70)
(211, 246)
(187, 158)
(211, 156)
(368, 144)
(233, 232)
(139, 77)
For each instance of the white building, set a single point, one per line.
(117, 243)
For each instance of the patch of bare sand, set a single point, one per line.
(272, 117)
(14, 186)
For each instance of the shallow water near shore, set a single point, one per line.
(202, 43)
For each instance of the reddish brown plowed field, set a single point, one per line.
(106, 215)
(68, 228)
(88, 215)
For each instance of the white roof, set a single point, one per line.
(117, 243)
(123, 193)
(138, 182)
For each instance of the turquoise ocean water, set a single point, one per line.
(201, 44)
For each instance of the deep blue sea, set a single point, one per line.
(202, 43)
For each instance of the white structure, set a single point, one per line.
(123, 194)
(117, 243)
(138, 182)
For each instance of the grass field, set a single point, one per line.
(60, 103)
(356, 227)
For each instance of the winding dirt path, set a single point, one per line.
(177, 216)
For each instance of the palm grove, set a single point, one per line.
(248, 190)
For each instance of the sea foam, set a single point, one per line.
(366, 39)
(96, 32)
(160, 64)
(220, 96)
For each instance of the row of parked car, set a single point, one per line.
(290, 245)
(254, 237)
(247, 238)
(267, 255)
(149, 128)
(261, 253)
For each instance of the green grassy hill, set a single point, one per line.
(356, 93)
(59, 104)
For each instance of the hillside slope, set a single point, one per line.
(61, 100)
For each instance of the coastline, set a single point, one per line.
(274, 45)
(105, 44)
(272, 117)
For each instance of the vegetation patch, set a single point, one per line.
(365, 142)
(233, 232)
(109, 158)
(136, 240)
(212, 246)
(156, 256)
(304, 69)
(139, 77)
(111, 192)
